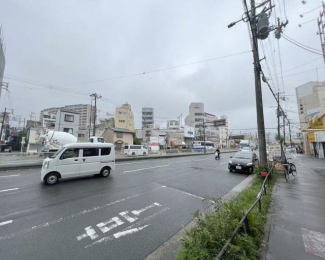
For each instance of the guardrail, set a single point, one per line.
(243, 223)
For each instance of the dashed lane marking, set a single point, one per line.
(5, 222)
(9, 190)
(8, 176)
(149, 168)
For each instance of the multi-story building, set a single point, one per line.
(124, 117)
(311, 103)
(173, 124)
(147, 117)
(2, 61)
(196, 117)
(86, 114)
(67, 121)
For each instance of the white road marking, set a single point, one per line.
(56, 221)
(125, 215)
(314, 242)
(128, 232)
(130, 163)
(201, 160)
(7, 176)
(9, 190)
(90, 232)
(223, 162)
(138, 212)
(104, 239)
(104, 229)
(190, 194)
(6, 223)
(143, 169)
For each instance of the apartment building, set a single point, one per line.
(173, 124)
(311, 103)
(124, 117)
(147, 117)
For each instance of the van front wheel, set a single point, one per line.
(51, 178)
(105, 172)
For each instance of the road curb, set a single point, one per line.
(39, 164)
(173, 244)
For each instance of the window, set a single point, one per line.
(68, 118)
(122, 121)
(198, 114)
(70, 153)
(122, 113)
(105, 151)
(81, 135)
(68, 130)
(89, 152)
(119, 135)
(135, 147)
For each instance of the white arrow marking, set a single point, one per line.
(129, 232)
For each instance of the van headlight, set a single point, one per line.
(46, 165)
(230, 162)
(249, 164)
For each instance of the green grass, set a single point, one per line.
(211, 233)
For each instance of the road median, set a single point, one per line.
(37, 163)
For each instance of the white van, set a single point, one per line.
(134, 149)
(79, 159)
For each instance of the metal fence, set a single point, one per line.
(243, 223)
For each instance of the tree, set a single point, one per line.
(136, 140)
(279, 138)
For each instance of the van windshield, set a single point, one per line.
(56, 153)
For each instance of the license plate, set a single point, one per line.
(238, 167)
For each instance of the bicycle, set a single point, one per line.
(289, 168)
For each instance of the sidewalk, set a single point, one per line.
(297, 216)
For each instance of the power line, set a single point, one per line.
(301, 65)
(300, 43)
(302, 72)
(310, 11)
(307, 21)
(301, 46)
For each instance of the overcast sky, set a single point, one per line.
(62, 43)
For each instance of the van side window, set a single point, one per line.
(135, 147)
(88, 152)
(70, 153)
(105, 151)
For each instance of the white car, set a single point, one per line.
(134, 149)
(79, 159)
(246, 149)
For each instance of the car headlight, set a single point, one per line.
(46, 165)
(230, 162)
(249, 164)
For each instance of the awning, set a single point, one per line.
(316, 123)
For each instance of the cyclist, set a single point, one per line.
(218, 153)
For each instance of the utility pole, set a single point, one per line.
(279, 134)
(290, 134)
(91, 111)
(258, 89)
(3, 122)
(321, 30)
(95, 96)
(205, 149)
(284, 129)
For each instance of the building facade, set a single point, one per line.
(173, 124)
(147, 117)
(124, 117)
(118, 136)
(67, 121)
(2, 61)
(311, 103)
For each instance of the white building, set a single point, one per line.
(173, 124)
(67, 121)
(147, 117)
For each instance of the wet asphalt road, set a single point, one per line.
(125, 216)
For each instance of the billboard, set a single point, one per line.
(219, 122)
(189, 132)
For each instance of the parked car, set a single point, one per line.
(135, 150)
(79, 159)
(243, 161)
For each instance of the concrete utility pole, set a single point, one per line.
(258, 89)
(284, 129)
(95, 96)
(290, 134)
(321, 30)
(3, 122)
(91, 111)
(205, 149)
(279, 134)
